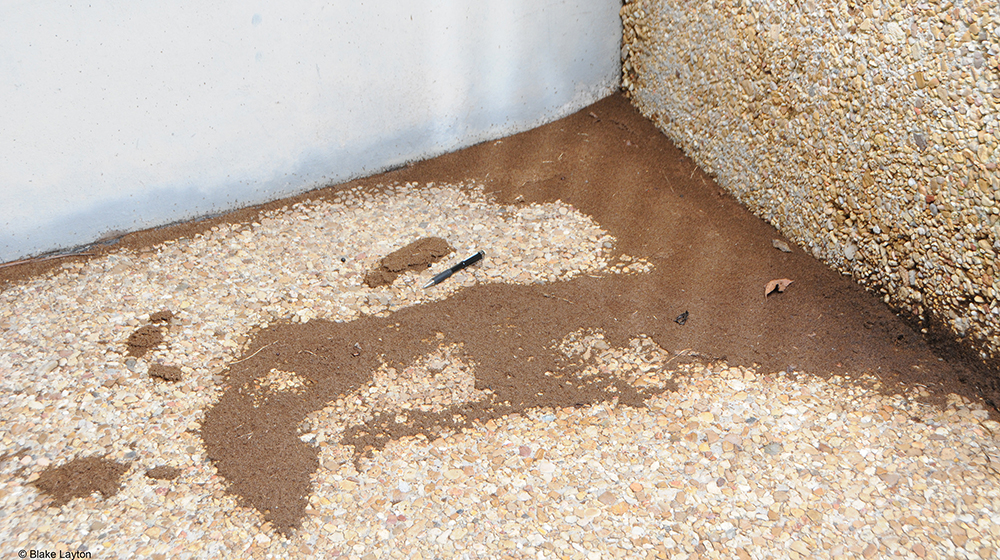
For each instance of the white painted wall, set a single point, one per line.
(122, 115)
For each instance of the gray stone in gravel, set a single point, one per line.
(772, 448)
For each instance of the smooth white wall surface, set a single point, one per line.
(119, 116)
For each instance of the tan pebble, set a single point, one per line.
(607, 499)
(800, 547)
(958, 535)
(889, 478)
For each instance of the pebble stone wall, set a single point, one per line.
(866, 131)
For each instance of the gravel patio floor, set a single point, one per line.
(612, 381)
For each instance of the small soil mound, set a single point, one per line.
(161, 316)
(166, 373)
(416, 256)
(150, 336)
(143, 340)
(80, 478)
(163, 473)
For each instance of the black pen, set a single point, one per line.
(441, 277)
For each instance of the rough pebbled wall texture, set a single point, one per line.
(865, 131)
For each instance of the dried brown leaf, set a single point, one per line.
(779, 285)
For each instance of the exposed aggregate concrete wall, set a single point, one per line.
(866, 131)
